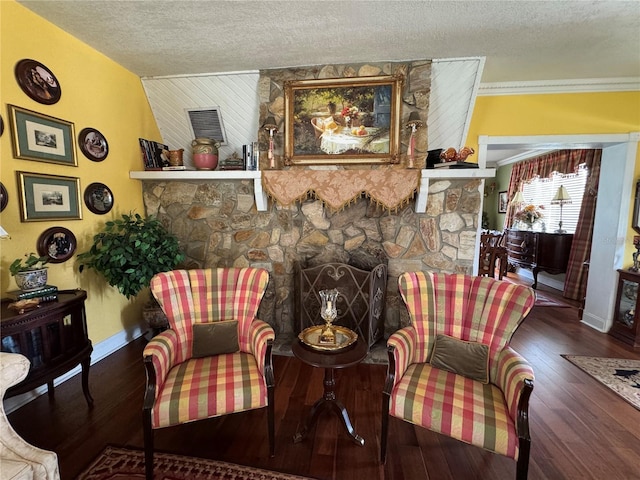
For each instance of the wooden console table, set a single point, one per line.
(537, 251)
(54, 339)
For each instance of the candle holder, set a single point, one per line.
(328, 313)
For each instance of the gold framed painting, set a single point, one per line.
(48, 197)
(343, 120)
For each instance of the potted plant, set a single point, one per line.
(29, 272)
(130, 251)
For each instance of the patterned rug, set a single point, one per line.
(124, 464)
(618, 374)
(545, 300)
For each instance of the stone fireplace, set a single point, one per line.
(218, 224)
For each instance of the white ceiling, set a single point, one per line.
(521, 40)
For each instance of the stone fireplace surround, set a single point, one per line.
(217, 223)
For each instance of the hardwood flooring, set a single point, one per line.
(580, 429)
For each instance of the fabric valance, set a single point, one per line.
(389, 188)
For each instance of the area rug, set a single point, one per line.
(124, 464)
(618, 374)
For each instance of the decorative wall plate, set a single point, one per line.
(93, 144)
(57, 243)
(98, 198)
(37, 81)
(1, 126)
(4, 197)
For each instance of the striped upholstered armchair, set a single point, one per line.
(215, 358)
(452, 370)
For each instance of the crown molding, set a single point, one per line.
(621, 84)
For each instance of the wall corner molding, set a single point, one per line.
(584, 85)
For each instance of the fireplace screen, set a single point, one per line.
(361, 296)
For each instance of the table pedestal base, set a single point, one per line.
(328, 401)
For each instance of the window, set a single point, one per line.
(540, 191)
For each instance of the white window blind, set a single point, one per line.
(540, 191)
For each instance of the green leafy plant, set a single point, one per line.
(29, 262)
(130, 251)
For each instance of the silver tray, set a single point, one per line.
(344, 338)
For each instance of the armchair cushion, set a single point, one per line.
(455, 406)
(208, 387)
(469, 359)
(214, 338)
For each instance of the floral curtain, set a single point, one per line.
(565, 162)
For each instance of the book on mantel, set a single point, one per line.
(50, 292)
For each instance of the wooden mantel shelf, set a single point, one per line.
(255, 175)
(261, 197)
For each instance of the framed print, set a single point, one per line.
(98, 198)
(57, 243)
(42, 138)
(503, 202)
(93, 144)
(48, 197)
(343, 120)
(4, 197)
(38, 82)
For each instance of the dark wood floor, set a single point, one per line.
(579, 429)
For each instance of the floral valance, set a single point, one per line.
(389, 188)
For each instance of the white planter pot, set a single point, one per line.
(31, 279)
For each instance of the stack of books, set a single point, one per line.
(153, 154)
(48, 293)
(234, 162)
(251, 155)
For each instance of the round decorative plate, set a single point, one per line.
(57, 243)
(93, 144)
(98, 198)
(37, 81)
(344, 338)
(4, 197)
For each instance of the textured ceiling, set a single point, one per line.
(521, 40)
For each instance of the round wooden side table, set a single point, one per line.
(330, 361)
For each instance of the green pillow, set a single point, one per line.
(215, 338)
(469, 359)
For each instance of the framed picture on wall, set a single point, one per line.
(345, 120)
(48, 197)
(42, 138)
(503, 202)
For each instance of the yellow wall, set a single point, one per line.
(560, 114)
(98, 93)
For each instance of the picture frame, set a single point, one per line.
(48, 197)
(343, 120)
(42, 138)
(57, 243)
(503, 202)
(38, 81)
(93, 144)
(98, 198)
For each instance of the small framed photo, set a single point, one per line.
(42, 138)
(93, 144)
(48, 197)
(38, 82)
(57, 243)
(503, 202)
(98, 198)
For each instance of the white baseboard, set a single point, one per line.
(100, 351)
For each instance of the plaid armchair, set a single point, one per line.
(489, 412)
(183, 383)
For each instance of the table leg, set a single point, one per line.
(328, 400)
(86, 363)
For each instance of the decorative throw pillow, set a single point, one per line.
(469, 359)
(215, 338)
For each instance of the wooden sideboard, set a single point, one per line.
(53, 337)
(626, 313)
(539, 251)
